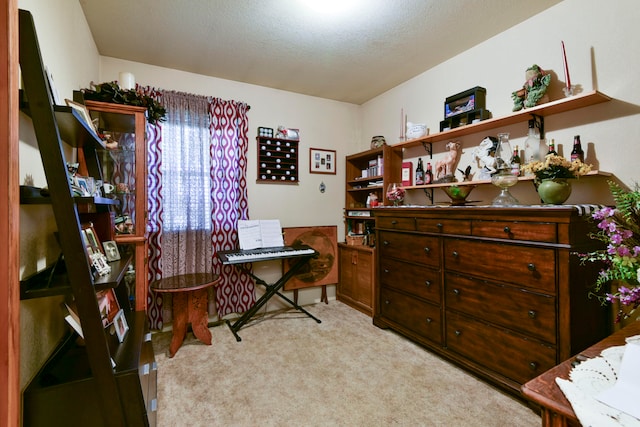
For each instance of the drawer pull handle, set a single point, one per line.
(507, 229)
(456, 291)
(455, 254)
(427, 250)
(458, 333)
(531, 266)
(439, 225)
(387, 302)
(533, 366)
(427, 283)
(429, 320)
(394, 222)
(532, 314)
(386, 271)
(385, 242)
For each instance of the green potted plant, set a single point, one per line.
(551, 176)
(111, 92)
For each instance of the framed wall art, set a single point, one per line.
(322, 161)
(319, 271)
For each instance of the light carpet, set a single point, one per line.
(289, 370)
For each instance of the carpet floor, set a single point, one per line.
(289, 370)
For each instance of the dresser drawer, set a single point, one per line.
(509, 354)
(515, 230)
(521, 265)
(410, 247)
(447, 226)
(411, 313)
(394, 223)
(518, 309)
(422, 282)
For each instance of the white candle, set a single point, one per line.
(401, 123)
(567, 79)
(127, 81)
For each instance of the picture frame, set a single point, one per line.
(111, 250)
(92, 240)
(322, 161)
(81, 109)
(120, 325)
(108, 306)
(321, 270)
(82, 184)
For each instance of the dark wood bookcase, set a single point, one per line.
(78, 385)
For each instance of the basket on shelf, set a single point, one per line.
(355, 240)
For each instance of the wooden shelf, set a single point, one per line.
(547, 109)
(488, 181)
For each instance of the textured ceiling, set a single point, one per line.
(282, 44)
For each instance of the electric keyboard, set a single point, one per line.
(264, 254)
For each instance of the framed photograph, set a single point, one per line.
(322, 161)
(121, 326)
(111, 250)
(82, 111)
(108, 305)
(91, 238)
(82, 185)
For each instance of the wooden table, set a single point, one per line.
(189, 293)
(556, 410)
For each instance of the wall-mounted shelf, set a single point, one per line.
(488, 181)
(554, 107)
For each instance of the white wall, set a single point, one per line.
(601, 41)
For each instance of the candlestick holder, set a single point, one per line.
(568, 90)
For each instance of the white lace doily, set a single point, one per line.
(591, 377)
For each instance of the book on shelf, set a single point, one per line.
(407, 174)
(72, 318)
(358, 213)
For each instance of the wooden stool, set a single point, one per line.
(189, 293)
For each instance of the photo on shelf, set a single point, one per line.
(121, 326)
(82, 111)
(108, 306)
(111, 250)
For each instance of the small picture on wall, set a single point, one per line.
(322, 161)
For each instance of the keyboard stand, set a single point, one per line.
(271, 290)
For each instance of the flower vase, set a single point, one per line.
(554, 191)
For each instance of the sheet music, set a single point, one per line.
(260, 233)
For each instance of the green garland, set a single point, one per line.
(111, 92)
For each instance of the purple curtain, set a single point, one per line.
(229, 144)
(197, 193)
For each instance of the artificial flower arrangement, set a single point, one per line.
(111, 92)
(556, 167)
(619, 229)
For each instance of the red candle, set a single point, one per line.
(566, 67)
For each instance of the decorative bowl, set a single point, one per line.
(458, 193)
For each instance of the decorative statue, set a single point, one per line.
(534, 88)
(445, 167)
(484, 155)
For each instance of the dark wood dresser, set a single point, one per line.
(499, 291)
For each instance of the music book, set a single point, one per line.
(260, 233)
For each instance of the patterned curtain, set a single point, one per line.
(197, 187)
(154, 210)
(229, 144)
